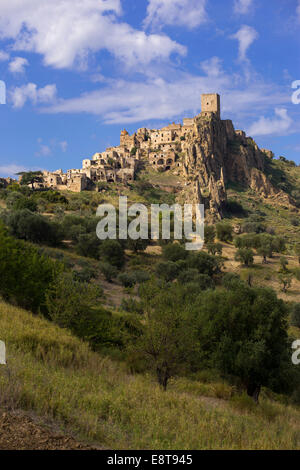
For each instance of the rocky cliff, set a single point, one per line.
(215, 154)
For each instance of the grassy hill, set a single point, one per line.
(55, 375)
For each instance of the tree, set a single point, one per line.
(25, 274)
(69, 302)
(245, 256)
(174, 252)
(285, 281)
(137, 245)
(297, 251)
(31, 177)
(244, 334)
(112, 252)
(209, 234)
(108, 271)
(224, 232)
(168, 340)
(167, 270)
(35, 228)
(214, 248)
(283, 264)
(295, 316)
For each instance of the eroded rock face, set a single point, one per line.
(216, 154)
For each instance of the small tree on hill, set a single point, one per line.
(245, 256)
(30, 177)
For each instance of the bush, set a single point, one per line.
(209, 234)
(127, 279)
(224, 232)
(167, 270)
(132, 306)
(88, 245)
(112, 252)
(295, 316)
(245, 256)
(25, 274)
(174, 252)
(35, 228)
(109, 272)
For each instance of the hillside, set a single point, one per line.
(56, 376)
(75, 381)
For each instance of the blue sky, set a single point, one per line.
(78, 71)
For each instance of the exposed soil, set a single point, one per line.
(19, 431)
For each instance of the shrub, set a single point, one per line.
(295, 316)
(88, 245)
(112, 252)
(174, 252)
(167, 270)
(209, 234)
(127, 279)
(132, 306)
(245, 256)
(25, 274)
(224, 232)
(109, 272)
(35, 228)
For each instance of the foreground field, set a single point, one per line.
(56, 376)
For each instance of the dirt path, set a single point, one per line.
(19, 431)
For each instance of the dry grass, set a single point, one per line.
(55, 375)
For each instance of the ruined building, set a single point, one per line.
(205, 152)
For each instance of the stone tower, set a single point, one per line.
(210, 103)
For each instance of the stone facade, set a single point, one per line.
(204, 151)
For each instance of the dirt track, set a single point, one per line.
(20, 432)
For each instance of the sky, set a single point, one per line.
(78, 71)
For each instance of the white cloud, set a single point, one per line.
(121, 101)
(11, 170)
(298, 9)
(44, 151)
(242, 7)
(189, 13)
(63, 145)
(245, 36)
(17, 65)
(3, 56)
(279, 125)
(65, 32)
(212, 66)
(30, 92)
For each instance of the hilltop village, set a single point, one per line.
(162, 148)
(204, 152)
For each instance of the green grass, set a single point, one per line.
(56, 375)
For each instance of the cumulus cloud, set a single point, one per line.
(279, 125)
(17, 65)
(122, 101)
(245, 36)
(30, 92)
(188, 13)
(4, 56)
(44, 151)
(63, 145)
(212, 66)
(242, 7)
(65, 32)
(11, 170)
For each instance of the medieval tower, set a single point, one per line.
(210, 103)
